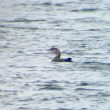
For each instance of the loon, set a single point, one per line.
(57, 58)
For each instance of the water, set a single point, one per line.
(28, 78)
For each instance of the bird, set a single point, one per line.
(57, 58)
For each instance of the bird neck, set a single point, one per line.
(58, 55)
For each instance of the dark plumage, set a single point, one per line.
(57, 58)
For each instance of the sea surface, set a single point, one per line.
(28, 78)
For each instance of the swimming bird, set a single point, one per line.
(57, 58)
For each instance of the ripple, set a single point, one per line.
(47, 3)
(63, 109)
(85, 89)
(104, 94)
(92, 20)
(97, 63)
(85, 10)
(25, 100)
(23, 108)
(89, 9)
(27, 20)
(83, 84)
(21, 27)
(51, 87)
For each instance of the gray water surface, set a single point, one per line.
(28, 78)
